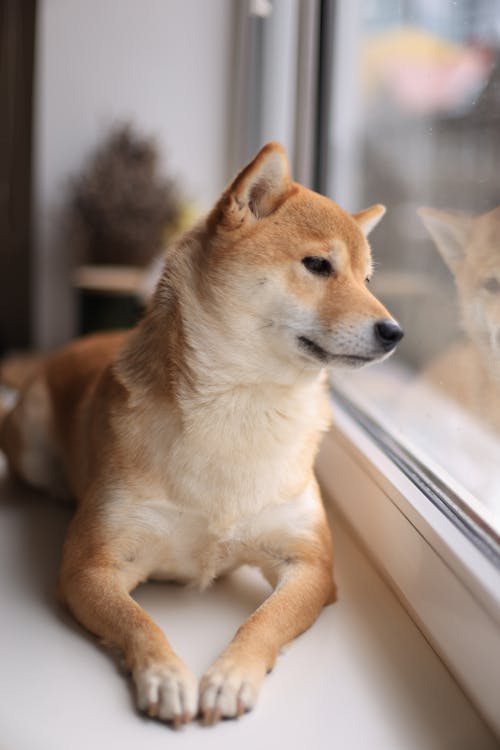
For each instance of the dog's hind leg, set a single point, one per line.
(95, 586)
(27, 440)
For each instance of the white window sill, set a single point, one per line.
(362, 677)
(449, 588)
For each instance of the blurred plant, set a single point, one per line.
(120, 207)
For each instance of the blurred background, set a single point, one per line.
(72, 73)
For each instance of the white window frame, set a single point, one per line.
(449, 587)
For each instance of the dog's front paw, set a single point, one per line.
(167, 691)
(229, 688)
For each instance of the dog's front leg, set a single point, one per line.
(96, 590)
(230, 686)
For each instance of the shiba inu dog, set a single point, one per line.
(189, 442)
(469, 371)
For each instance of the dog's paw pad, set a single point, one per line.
(167, 692)
(228, 690)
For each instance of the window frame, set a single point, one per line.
(449, 587)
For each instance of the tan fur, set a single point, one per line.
(189, 442)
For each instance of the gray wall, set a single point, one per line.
(166, 64)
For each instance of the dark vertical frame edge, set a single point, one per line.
(327, 14)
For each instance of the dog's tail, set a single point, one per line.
(16, 371)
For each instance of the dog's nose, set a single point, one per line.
(388, 333)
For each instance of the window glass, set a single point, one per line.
(415, 125)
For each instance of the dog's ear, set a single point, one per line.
(369, 218)
(257, 190)
(451, 233)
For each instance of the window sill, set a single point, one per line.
(449, 588)
(363, 676)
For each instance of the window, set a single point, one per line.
(414, 124)
(398, 103)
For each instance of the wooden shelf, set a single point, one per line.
(114, 280)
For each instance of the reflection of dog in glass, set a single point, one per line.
(469, 371)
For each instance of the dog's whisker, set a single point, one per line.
(269, 324)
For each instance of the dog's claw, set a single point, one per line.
(177, 721)
(211, 717)
(152, 710)
(206, 717)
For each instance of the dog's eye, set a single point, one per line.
(367, 280)
(491, 285)
(319, 266)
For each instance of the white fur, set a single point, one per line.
(169, 690)
(229, 688)
(193, 546)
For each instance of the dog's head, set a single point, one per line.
(469, 245)
(288, 270)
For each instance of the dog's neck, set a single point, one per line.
(185, 350)
(175, 353)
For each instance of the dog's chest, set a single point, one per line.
(160, 541)
(212, 493)
(198, 554)
(238, 454)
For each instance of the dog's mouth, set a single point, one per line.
(317, 351)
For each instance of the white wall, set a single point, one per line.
(165, 64)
